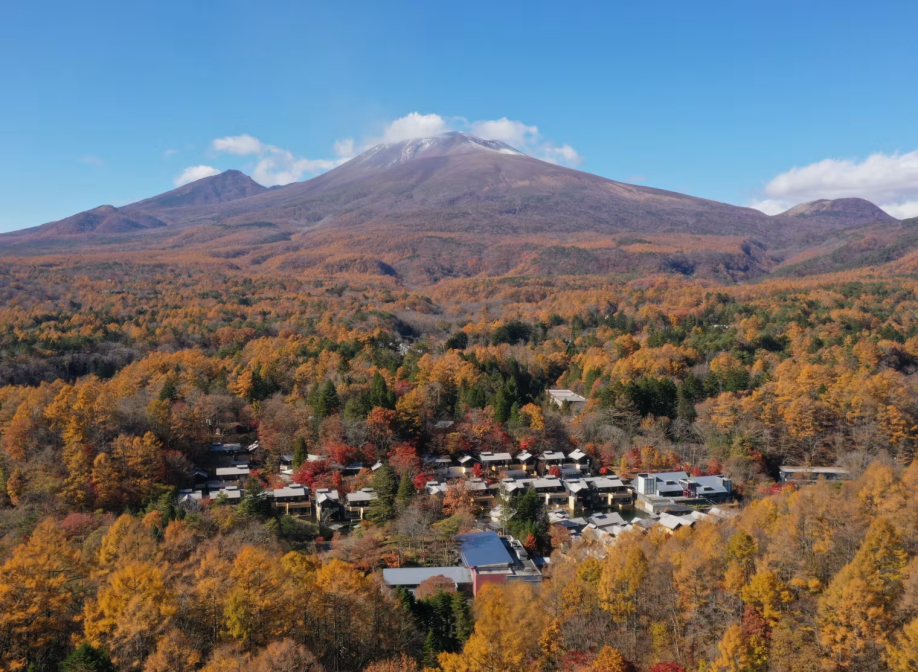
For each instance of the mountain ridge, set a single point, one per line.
(455, 205)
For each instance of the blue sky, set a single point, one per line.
(113, 102)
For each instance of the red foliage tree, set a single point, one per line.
(433, 585)
(667, 667)
(309, 472)
(343, 454)
(404, 460)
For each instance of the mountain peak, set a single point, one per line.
(446, 144)
(839, 212)
(229, 185)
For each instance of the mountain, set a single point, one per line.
(459, 183)
(453, 205)
(230, 185)
(839, 213)
(106, 220)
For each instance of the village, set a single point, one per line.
(585, 501)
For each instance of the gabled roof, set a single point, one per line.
(364, 496)
(674, 522)
(576, 455)
(553, 455)
(525, 455)
(326, 495)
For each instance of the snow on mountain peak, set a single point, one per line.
(393, 154)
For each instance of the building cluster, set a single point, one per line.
(596, 507)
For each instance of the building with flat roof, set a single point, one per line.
(804, 475)
(412, 577)
(558, 397)
(491, 558)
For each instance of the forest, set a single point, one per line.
(117, 376)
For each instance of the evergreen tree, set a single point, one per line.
(300, 452)
(86, 658)
(458, 341)
(406, 490)
(254, 501)
(358, 406)
(169, 392)
(379, 393)
(502, 406)
(326, 401)
(514, 419)
(429, 651)
(685, 404)
(462, 618)
(382, 509)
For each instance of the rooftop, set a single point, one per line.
(814, 470)
(566, 395)
(413, 576)
(483, 549)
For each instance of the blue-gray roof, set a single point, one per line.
(483, 549)
(415, 576)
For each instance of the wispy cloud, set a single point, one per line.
(89, 160)
(515, 133)
(278, 166)
(195, 173)
(169, 152)
(889, 180)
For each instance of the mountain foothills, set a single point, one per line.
(455, 206)
(413, 308)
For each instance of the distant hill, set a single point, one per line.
(105, 219)
(839, 213)
(454, 205)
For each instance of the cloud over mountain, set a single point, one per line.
(890, 180)
(515, 133)
(195, 173)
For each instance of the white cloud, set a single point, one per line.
(769, 206)
(194, 173)
(169, 152)
(415, 125)
(344, 148)
(239, 144)
(905, 210)
(278, 166)
(565, 154)
(889, 180)
(90, 160)
(514, 133)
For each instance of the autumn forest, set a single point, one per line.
(117, 375)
